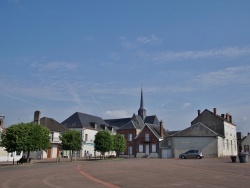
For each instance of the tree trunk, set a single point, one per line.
(28, 156)
(71, 155)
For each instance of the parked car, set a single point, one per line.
(191, 154)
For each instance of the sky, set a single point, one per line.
(62, 57)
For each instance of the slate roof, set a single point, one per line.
(117, 122)
(198, 130)
(152, 120)
(137, 120)
(130, 125)
(53, 125)
(82, 120)
(216, 115)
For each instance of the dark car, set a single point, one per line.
(191, 154)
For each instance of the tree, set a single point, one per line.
(103, 142)
(119, 144)
(25, 137)
(72, 141)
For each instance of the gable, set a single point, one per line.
(150, 128)
(198, 130)
(211, 120)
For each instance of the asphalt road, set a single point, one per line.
(127, 173)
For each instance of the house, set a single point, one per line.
(245, 143)
(223, 125)
(88, 126)
(198, 136)
(214, 134)
(148, 140)
(56, 130)
(131, 127)
(129, 131)
(4, 155)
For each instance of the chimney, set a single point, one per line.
(199, 112)
(37, 117)
(223, 116)
(161, 129)
(230, 118)
(215, 111)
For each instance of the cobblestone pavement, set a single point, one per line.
(127, 173)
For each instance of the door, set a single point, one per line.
(166, 153)
(49, 153)
(147, 149)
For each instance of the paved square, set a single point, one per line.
(134, 172)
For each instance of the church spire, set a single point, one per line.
(142, 111)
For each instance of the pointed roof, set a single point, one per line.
(155, 129)
(141, 103)
(196, 130)
(53, 125)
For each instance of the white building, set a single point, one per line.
(213, 134)
(88, 126)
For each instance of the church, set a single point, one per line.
(143, 133)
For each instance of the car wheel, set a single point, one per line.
(198, 157)
(183, 157)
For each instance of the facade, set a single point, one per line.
(211, 133)
(56, 129)
(88, 126)
(223, 125)
(147, 142)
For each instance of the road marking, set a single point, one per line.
(110, 185)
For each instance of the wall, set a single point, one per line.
(208, 145)
(131, 143)
(230, 136)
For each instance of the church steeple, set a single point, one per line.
(142, 111)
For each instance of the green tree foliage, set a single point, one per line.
(26, 137)
(103, 142)
(119, 144)
(72, 141)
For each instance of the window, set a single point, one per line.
(227, 145)
(130, 150)
(140, 148)
(147, 137)
(129, 137)
(86, 137)
(18, 153)
(153, 148)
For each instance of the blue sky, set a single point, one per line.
(60, 57)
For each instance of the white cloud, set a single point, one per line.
(55, 65)
(186, 105)
(117, 113)
(240, 75)
(147, 40)
(192, 55)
